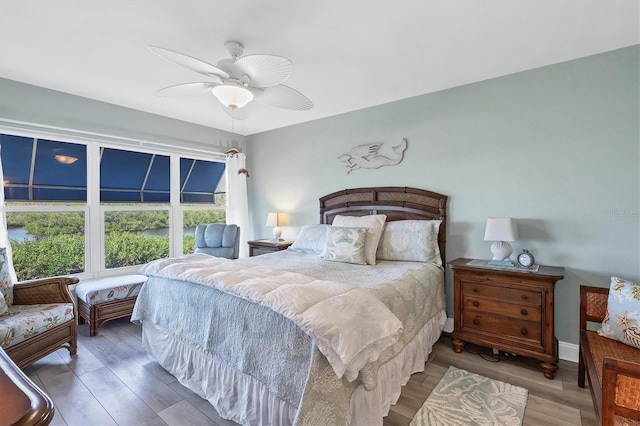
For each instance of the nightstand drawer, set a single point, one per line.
(257, 251)
(512, 310)
(522, 330)
(507, 294)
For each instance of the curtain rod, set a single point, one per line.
(120, 140)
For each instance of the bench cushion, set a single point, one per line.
(111, 288)
(25, 321)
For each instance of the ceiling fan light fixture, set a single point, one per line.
(232, 95)
(65, 159)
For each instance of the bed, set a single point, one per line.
(240, 333)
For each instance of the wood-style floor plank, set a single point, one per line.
(113, 381)
(121, 403)
(183, 413)
(74, 402)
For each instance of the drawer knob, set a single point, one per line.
(475, 290)
(525, 297)
(476, 321)
(524, 332)
(524, 312)
(476, 304)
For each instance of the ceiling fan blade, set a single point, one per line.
(185, 89)
(285, 97)
(188, 62)
(240, 113)
(265, 70)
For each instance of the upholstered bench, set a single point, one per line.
(103, 299)
(612, 367)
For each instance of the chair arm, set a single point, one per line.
(44, 290)
(620, 390)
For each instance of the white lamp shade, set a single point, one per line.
(232, 95)
(272, 219)
(501, 229)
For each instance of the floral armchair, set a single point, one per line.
(37, 317)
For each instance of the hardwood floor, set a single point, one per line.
(112, 381)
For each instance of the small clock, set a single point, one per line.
(526, 259)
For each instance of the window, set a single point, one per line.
(46, 193)
(86, 207)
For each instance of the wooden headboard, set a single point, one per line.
(398, 203)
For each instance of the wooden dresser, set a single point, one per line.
(508, 309)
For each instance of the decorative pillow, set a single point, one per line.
(311, 239)
(411, 240)
(374, 225)
(4, 309)
(622, 321)
(6, 286)
(346, 245)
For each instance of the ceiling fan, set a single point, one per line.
(240, 81)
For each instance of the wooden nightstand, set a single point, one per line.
(258, 247)
(510, 309)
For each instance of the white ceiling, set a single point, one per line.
(347, 54)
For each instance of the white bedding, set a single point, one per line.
(190, 364)
(322, 309)
(412, 291)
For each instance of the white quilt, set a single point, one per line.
(322, 309)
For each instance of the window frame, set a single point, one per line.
(94, 210)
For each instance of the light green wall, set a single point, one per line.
(32, 104)
(557, 148)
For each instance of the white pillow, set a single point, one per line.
(345, 245)
(411, 240)
(373, 223)
(311, 239)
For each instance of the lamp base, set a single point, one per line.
(501, 250)
(277, 232)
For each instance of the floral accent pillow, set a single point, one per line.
(345, 244)
(622, 321)
(6, 286)
(374, 224)
(4, 309)
(411, 241)
(311, 239)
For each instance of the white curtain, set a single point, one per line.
(4, 236)
(237, 203)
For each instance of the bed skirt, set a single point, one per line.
(242, 399)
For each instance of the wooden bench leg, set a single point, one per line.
(581, 369)
(93, 322)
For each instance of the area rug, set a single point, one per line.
(464, 398)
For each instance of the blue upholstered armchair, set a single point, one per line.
(218, 239)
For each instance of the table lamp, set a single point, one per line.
(273, 219)
(500, 230)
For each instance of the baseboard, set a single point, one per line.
(448, 326)
(566, 351)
